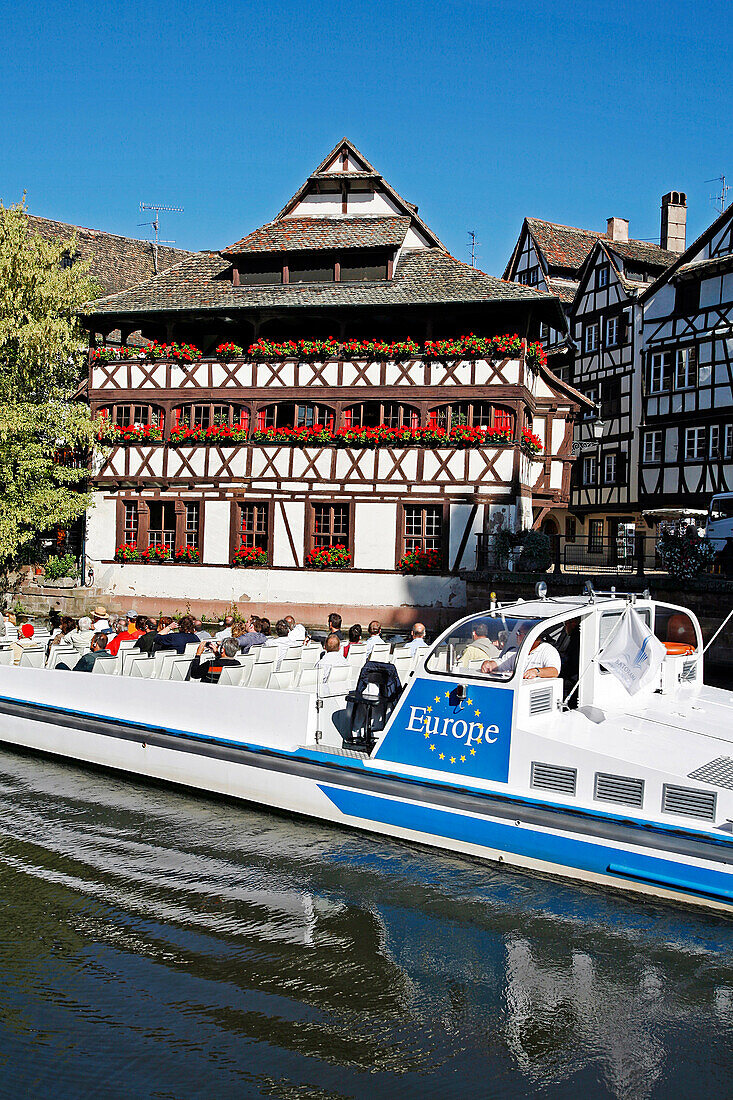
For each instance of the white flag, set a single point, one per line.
(633, 654)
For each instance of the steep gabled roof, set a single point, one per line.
(562, 245)
(308, 234)
(368, 172)
(642, 252)
(425, 276)
(116, 262)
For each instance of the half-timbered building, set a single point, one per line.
(210, 458)
(686, 370)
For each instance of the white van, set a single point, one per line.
(719, 524)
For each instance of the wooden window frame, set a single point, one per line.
(688, 357)
(443, 505)
(143, 520)
(652, 435)
(310, 524)
(699, 433)
(158, 412)
(591, 346)
(329, 410)
(593, 537)
(235, 518)
(211, 405)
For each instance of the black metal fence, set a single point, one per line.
(627, 554)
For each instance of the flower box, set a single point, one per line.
(329, 557)
(127, 552)
(420, 561)
(229, 351)
(530, 443)
(157, 553)
(249, 556)
(187, 555)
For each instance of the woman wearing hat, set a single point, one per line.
(25, 641)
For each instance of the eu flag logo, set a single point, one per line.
(464, 729)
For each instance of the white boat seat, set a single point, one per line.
(309, 657)
(32, 657)
(380, 652)
(107, 665)
(248, 662)
(284, 678)
(190, 650)
(128, 656)
(124, 647)
(141, 667)
(164, 658)
(179, 668)
(404, 666)
(232, 676)
(262, 670)
(64, 654)
(6, 655)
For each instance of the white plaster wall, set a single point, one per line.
(375, 532)
(558, 434)
(295, 512)
(101, 527)
(326, 205)
(217, 521)
(367, 203)
(710, 292)
(459, 514)
(283, 586)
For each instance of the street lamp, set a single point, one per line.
(597, 424)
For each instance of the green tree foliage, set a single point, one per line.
(44, 434)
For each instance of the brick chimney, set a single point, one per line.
(674, 221)
(617, 229)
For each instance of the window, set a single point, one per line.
(254, 526)
(714, 441)
(162, 529)
(364, 267)
(129, 521)
(590, 470)
(530, 277)
(311, 269)
(591, 337)
(544, 331)
(659, 374)
(290, 414)
(728, 444)
(373, 413)
(592, 393)
(475, 414)
(331, 525)
(610, 469)
(652, 451)
(612, 332)
(208, 415)
(611, 397)
(685, 371)
(191, 524)
(602, 276)
(687, 297)
(260, 270)
(694, 443)
(126, 416)
(570, 529)
(595, 536)
(423, 527)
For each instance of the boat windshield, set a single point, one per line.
(486, 645)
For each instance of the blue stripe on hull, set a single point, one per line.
(564, 852)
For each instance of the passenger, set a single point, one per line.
(221, 656)
(86, 661)
(332, 657)
(254, 635)
(354, 638)
(569, 649)
(81, 637)
(334, 625)
(545, 660)
(99, 618)
(297, 630)
(176, 636)
(375, 635)
(198, 627)
(128, 633)
(226, 631)
(479, 648)
(65, 627)
(25, 641)
(281, 641)
(265, 626)
(417, 641)
(147, 638)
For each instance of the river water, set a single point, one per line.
(157, 945)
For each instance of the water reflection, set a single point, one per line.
(162, 946)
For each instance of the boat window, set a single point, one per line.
(676, 629)
(609, 622)
(483, 638)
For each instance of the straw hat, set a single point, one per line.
(100, 611)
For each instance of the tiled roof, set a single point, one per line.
(642, 252)
(307, 234)
(562, 245)
(116, 262)
(423, 277)
(713, 263)
(563, 288)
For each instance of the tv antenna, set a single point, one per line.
(472, 245)
(720, 198)
(156, 224)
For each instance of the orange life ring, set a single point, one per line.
(679, 649)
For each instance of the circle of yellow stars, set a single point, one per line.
(441, 756)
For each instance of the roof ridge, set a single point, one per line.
(159, 275)
(106, 232)
(573, 228)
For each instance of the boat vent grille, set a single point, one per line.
(689, 670)
(540, 701)
(553, 777)
(688, 802)
(718, 771)
(619, 788)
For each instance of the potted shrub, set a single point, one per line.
(684, 554)
(249, 556)
(329, 557)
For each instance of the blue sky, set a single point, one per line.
(481, 113)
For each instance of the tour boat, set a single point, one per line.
(628, 791)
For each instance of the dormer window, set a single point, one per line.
(364, 267)
(311, 269)
(602, 277)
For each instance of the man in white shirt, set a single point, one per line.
(100, 620)
(418, 639)
(375, 635)
(227, 630)
(297, 630)
(81, 638)
(332, 657)
(544, 660)
(479, 648)
(281, 641)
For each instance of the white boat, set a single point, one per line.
(632, 792)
